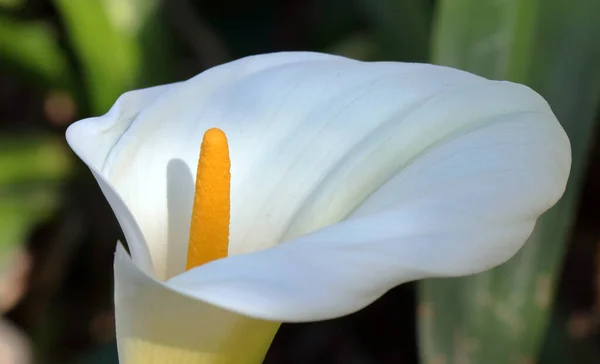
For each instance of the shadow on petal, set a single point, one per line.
(180, 199)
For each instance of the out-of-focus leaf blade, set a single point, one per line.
(401, 26)
(490, 38)
(107, 38)
(31, 169)
(359, 46)
(11, 4)
(32, 49)
(31, 158)
(109, 60)
(501, 316)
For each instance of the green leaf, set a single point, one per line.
(31, 158)
(31, 169)
(401, 26)
(11, 4)
(501, 316)
(108, 39)
(358, 46)
(32, 49)
(496, 43)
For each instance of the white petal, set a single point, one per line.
(461, 208)
(158, 325)
(146, 146)
(291, 119)
(94, 138)
(454, 169)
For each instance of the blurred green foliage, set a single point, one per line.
(11, 3)
(31, 168)
(108, 38)
(32, 49)
(502, 316)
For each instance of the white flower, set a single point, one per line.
(347, 179)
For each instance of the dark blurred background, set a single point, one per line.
(63, 60)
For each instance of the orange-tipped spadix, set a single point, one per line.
(209, 230)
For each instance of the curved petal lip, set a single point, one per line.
(92, 140)
(244, 302)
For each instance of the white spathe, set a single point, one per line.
(348, 178)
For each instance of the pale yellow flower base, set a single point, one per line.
(250, 349)
(157, 325)
(190, 332)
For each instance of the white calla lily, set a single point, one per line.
(347, 179)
